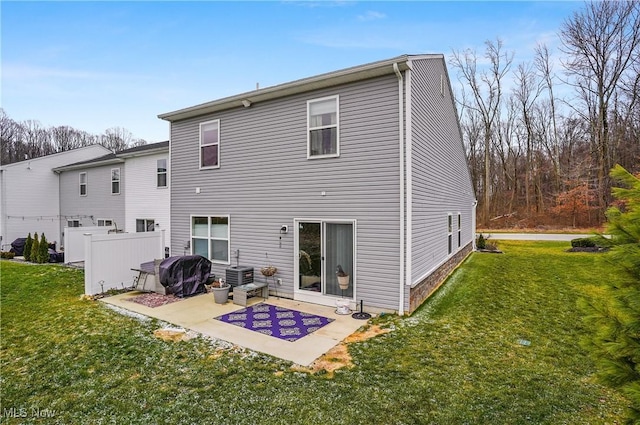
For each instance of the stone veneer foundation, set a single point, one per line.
(424, 289)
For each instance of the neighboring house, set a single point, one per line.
(362, 168)
(128, 189)
(147, 193)
(29, 200)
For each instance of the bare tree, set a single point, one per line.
(526, 92)
(65, 138)
(486, 88)
(9, 139)
(36, 139)
(550, 138)
(116, 138)
(602, 43)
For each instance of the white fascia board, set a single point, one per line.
(347, 75)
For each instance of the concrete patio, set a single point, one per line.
(197, 313)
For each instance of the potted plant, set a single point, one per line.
(220, 290)
(269, 270)
(343, 278)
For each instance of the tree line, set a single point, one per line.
(28, 139)
(541, 136)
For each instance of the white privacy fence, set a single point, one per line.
(74, 241)
(109, 258)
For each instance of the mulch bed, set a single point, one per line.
(154, 300)
(588, 249)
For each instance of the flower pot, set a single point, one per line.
(342, 306)
(221, 295)
(343, 282)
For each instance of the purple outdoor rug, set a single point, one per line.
(272, 320)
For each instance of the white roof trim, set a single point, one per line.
(348, 75)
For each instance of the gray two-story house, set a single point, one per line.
(361, 171)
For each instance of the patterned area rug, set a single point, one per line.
(153, 299)
(272, 320)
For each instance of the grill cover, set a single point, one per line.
(186, 275)
(17, 246)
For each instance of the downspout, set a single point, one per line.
(409, 179)
(473, 224)
(402, 200)
(3, 207)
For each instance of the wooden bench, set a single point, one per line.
(241, 292)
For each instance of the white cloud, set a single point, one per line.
(371, 16)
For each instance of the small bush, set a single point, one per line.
(43, 250)
(491, 246)
(7, 254)
(481, 242)
(583, 243)
(27, 248)
(35, 248)
(591, 242)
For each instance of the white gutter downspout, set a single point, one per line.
(401, 141)
(473, 224)
(409, 179)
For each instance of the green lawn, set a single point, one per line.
(459, 360)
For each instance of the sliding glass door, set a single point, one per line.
(325, 253)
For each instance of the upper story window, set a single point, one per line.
(115, 181)
(162, 173)
(83, 185)
(73, 223)
(323, 127)
(210, 144)
(105, 222)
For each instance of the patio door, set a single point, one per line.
(322, 247)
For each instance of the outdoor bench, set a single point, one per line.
(241, 292)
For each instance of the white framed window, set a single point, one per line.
(459, 229)
(323, 127)
(450, 233)
(73, 223)
(145, 225)
(210, 144)
(115, 181)
(210, 238)
(105, 222)
(83, 184)
(161, 173)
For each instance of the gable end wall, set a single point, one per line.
(441, 182)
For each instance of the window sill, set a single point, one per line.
(336, 155)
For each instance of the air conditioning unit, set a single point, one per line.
(239, 275)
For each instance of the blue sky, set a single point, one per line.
(96, 65)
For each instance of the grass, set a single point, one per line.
(458, 360)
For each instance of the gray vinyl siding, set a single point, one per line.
(99, 202)
(441, 182)
(265, 180)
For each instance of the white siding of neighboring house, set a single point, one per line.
(29, 195)
(143, 198)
